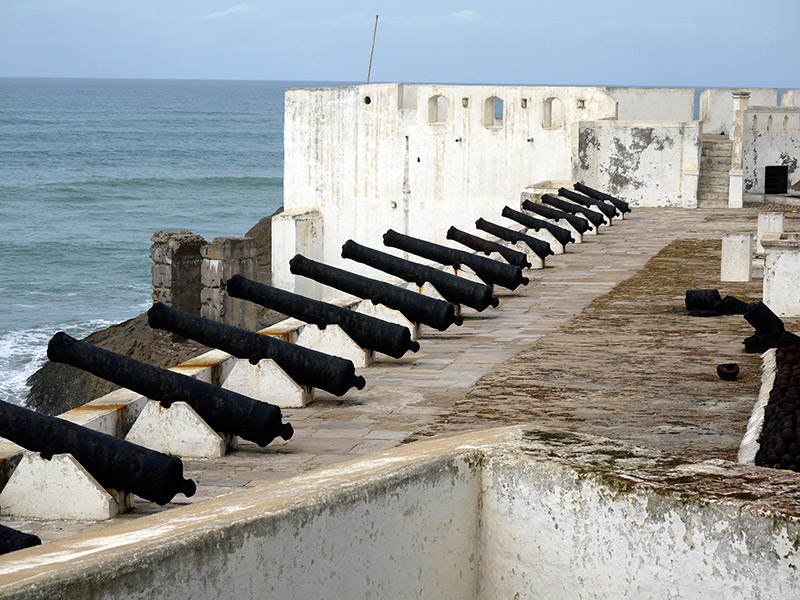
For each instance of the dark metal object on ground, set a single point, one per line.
(563, 236)
(304, 365)
(11, 540)
(594, 217)
(608, 209)
(492, 272)
(623, 206)
(728, 371)
(779, 442)
(770, 331)
(113, 462)
(452, 288)
(366, 331)
(223, 410)
(479, 244)
(580, 224)
(414, 306)
(541, 248)
(708, 303)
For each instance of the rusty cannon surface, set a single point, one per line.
(580, 224)
(113, 462)
(492, 272)
(594, 217)
(563, 236)
(366, 331)
(541, 248)
(621, 205)
(223, 410)
(413, 305)
(304, 365)
(452, 288)
(11, 540)
(479, 244)
(609, 210)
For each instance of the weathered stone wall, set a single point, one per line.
(771, 137)
(644, 163)
(223, 258)
(176, 269)
(716, 106)
(653, 103)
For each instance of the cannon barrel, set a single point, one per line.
(452, 288)
(763, 320)
(609, 210)
(490, 271)
(11, 540)
(541, 248)
(113, 462)
(580, 224)
(413, 305)
(223, 410)
(512, 257)
(304, 365)
(366, 331)
(623, 206)
(593, 217)
(563, 236)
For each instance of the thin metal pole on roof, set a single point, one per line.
(374, 33)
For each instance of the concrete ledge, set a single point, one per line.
(534, 512)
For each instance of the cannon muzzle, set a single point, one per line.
(223, 410)
(492, 272)
(414, 306)
(452, 288)
(113, 462)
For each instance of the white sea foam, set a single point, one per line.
(23, 351)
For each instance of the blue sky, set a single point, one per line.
(563, 42)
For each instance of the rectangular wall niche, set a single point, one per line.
(776, 180)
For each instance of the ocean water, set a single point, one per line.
(89, 169)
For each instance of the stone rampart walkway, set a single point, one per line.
(574, 348)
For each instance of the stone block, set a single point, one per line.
(782, 274)
(333, 340)
(267, 382)
(737, 253)
(162, 276)
(768, 222)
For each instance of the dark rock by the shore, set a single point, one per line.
(57, 388)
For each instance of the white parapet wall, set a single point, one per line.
(770, 138)
(509, 513)
(716, 106)
(419, 158)
(653, 103)
(645, 163)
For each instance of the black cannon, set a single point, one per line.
(366, 331)
(413, 305)
(563, 236)
(580, 224)
(113, 462)
(490, 271)
(541, 248)
(11, 540)
(620, 204)
(304, 365)
(223, 410)
(595, 218)
(770, 330)
(609, 210)
(512, 257)
(452, 288)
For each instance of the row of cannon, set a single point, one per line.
(158, 477)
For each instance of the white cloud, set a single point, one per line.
(466, 15)
(436, 20)
(221, 14)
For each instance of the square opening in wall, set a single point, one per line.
(776, 180)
